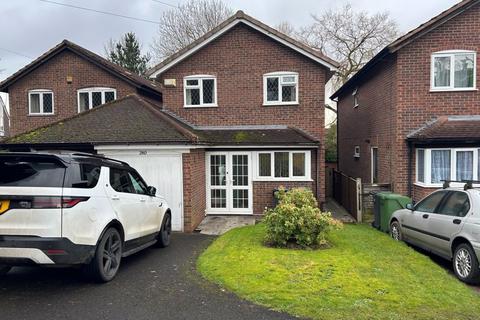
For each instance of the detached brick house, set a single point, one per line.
(410, 117)
(225, 121)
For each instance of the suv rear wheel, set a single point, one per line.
(165, 231)
(4, 270)
(465, 264)
(106, 262)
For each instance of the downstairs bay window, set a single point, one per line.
(433, 166)
(282, 166)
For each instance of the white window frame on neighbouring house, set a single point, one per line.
(291, 177)
(281, 76)
(40, 92)
(356, 152)
(90, 92)
(2, 126)
(355, 97)
(199, 86)
(427, 174)
(374, 170)
(451, 54)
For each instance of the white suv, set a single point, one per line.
(76, 209)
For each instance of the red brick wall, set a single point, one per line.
(239, 59)
(416, 104)
(53, 76)
(193, 188)
(396, 98)
(421, 192)
(371, 124)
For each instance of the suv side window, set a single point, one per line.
(430, 203)
(120, 181)
(456, 204)
(137, 182)
(82, 175)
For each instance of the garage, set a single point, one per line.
(160, 167)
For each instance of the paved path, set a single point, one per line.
(153, 284)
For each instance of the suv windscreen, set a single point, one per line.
(82, 175)
(26, 171)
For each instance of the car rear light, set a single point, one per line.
(56, 202)
(70, 202)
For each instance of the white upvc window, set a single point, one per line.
(454, 164)
(355, 97)
(454, 70)
(280, 88)
(40, 102)
(282, 165)
(200, 91)
(89, 98)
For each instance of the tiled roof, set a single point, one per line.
(124, 121)
(108, 66)
(452, 128)
(240, 16)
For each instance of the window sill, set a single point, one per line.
(41, 114)
(201, 106)
(453, 90)
(425, 185)
(282, 180)
(280, 104)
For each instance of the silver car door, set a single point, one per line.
(447, 222)
(414, 224)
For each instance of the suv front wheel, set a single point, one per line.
(465, 264)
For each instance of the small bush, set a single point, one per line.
(297, 221)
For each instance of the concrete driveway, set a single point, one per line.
(153, 284)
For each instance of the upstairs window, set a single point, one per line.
(355, 97)
(89, 98)
(40, 102)
(453, 70)
(280, 88)
(200, 91)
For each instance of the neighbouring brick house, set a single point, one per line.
(225, 121)
(4, 120)
(410, 117)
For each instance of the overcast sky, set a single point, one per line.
(30, 27)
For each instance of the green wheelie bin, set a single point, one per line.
(385, 204)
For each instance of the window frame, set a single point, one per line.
(453, 164)
(256, 166)
(451, 54)
(373, 167)
(279, 75)
(90, 91)
(355, 98)
(40, 92)
(199, 86)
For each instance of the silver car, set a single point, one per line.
(446, 223)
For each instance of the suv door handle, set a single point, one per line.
(457, 221)
(115, 198)
(425, 216)
(143, 199)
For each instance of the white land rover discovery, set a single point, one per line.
(76, 209)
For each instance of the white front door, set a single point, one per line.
(229, 183)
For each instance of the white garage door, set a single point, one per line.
(161, 169)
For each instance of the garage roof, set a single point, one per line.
(448, 129)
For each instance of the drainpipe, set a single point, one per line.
(410, 167)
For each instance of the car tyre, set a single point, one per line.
(395, 231)
(165, 233)
(4, 270)
(465, 264)
(108, 255)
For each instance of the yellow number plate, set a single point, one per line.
(4, 205)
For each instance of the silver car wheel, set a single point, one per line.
(395, 233)
(463, 263)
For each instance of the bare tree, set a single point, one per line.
(287, 28)
(350, 37)
(180, 27)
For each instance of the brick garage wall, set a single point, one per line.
(239, 59)
(52, 75)
(416, 104)
(421, 192)
(193, 188)
(371, 124)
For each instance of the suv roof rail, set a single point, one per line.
(468, 183)
(97, 156)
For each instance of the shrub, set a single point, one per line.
(297, 221)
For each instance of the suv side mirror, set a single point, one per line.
(410, 206)
(152, 191)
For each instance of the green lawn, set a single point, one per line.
(365, 275)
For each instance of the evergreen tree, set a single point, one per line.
(127, 53)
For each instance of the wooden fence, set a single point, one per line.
(347, 191)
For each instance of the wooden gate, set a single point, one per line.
(347, 191)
